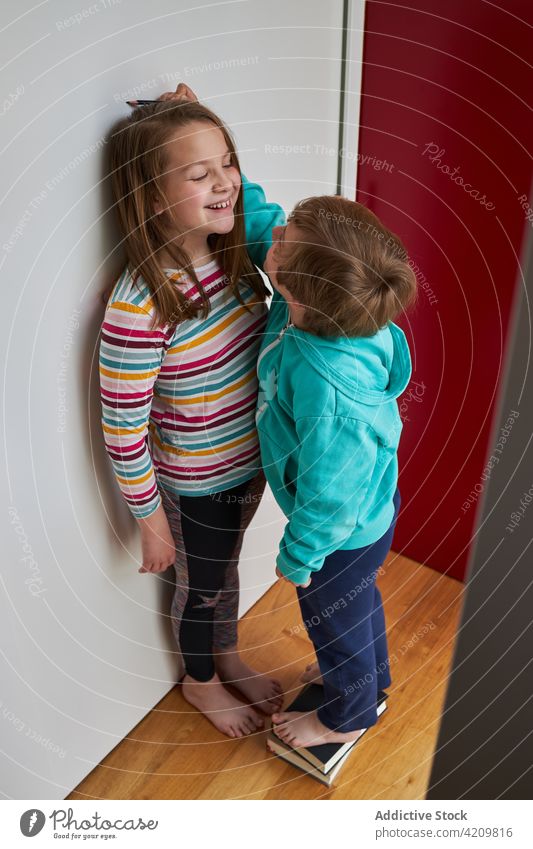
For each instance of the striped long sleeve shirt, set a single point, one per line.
(178, 403)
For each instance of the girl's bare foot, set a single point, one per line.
(312, 674)
(226, 712)
(305, 729)
(260, 690)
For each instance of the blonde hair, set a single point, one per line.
(138, 158)
(349, 272)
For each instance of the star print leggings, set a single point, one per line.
(208, 533)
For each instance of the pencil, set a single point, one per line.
(140, 102)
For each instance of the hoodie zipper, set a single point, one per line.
(276, 340)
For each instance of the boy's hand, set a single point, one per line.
(281, 575)
(182, 92)
(158, 548)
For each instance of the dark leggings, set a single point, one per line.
(210, 526)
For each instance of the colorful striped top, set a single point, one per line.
(178, 402)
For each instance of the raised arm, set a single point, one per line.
(259, 219)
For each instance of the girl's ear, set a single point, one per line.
(157, 206)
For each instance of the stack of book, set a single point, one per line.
(323, 762)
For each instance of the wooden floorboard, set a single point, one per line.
(175, 753)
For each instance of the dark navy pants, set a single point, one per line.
(343, 613)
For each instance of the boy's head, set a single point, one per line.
(347, 271)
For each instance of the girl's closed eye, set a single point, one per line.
(203, 176)
(198, 179)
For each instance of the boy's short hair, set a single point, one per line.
(349, 272)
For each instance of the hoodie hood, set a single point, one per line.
(371, 370)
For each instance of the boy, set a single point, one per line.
(331, 367)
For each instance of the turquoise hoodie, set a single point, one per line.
(328, 426)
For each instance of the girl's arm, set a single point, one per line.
(131, 355)
(130, 359)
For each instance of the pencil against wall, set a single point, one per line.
(140, 102)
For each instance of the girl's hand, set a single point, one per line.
(182, 92)
(158, 548)
(281, 575)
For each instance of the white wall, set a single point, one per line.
(86, 643)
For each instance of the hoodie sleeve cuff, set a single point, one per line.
(296, 574)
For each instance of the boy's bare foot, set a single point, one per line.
(260, 690)
(312, 674)
(226, 712)
(305, 729)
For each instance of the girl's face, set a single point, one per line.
(200, 182)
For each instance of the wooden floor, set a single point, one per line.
(175, 753)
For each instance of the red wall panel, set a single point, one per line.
(444, 160)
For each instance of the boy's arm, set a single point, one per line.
(130, 359)
(259, 219)
(336, 461)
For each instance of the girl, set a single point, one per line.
(178, 355)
